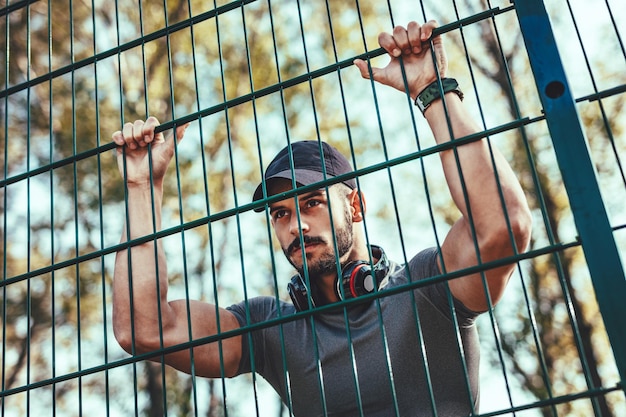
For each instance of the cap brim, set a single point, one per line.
(302, 177)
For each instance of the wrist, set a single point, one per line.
(435, 90)
(416, 90)
(144, 185)
(437, 109)
(145, 192)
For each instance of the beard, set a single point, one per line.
(327, 262)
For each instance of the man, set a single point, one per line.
(412, 353)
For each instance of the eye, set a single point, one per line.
(312, 203)
(278, 214)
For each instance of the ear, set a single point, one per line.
(356, 199)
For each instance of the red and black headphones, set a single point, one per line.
(357, 278)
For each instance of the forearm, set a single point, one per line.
(495, 221)
(153, 322)
(140, 279)
(476, 173)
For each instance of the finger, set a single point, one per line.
(138, 132)
(401, 38)
(427, 30)
(147, 130)
(414, 32)
(369, 72)
(386, 41)
(180, 131)
(363, 68)
(118, 138)
(129, 138)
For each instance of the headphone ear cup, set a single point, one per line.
(357, 279)
(299, 294)
(363, 280)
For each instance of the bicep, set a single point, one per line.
(459, 251)
(197, 320)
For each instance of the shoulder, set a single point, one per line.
(421, 266)
(425, 265)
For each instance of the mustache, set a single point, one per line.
(295, 245)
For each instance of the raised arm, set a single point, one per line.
(140, 278)
(471, 174)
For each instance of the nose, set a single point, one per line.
(297, 225)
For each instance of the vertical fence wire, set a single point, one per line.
(524, 285)
(5, 174)
(53, 303)
(29, 306)
(492, 318)
(186, 271)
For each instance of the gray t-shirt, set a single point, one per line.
(369, 359)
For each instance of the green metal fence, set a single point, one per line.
(546, 81)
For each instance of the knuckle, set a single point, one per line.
(398, 29)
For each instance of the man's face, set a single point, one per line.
(314, 223)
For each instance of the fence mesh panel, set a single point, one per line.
(250, 77)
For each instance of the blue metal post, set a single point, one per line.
(579, 176)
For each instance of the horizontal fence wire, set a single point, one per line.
(297, 316)
(209, 111)
(57, 292)
(261, 203)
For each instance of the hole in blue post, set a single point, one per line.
(555, 89)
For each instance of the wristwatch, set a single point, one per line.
(433, 92)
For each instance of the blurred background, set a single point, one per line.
(253, 75)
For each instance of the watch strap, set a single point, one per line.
(433, 92)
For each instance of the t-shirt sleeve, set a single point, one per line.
(254, 310)
(424, 265)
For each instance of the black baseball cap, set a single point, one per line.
(309, 165)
